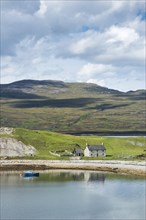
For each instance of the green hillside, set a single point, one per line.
(116, 148)
(71, 107)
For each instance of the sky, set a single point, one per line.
(101, 42)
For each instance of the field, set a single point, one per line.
(116, 148)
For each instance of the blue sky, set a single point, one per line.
(100, 42)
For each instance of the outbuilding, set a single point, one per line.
(78, 152)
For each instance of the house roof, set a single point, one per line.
(96, 147)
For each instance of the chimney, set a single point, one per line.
(86, 144)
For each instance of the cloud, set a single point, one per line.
(101, 41)
(82, 45)
(41, 18)
(123, 35)
(98, 82)
(99, 74)
(94, 69)
(116, 45)
(43, 8)
(25, 6)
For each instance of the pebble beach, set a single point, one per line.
(125, 167)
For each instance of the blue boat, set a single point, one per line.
(29, 174)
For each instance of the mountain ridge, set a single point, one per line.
(57, 83)
(71, 107)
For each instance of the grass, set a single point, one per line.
(116, 148)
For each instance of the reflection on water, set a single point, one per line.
(72, 195)
(14, 178)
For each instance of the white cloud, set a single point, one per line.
(43, 8)
(116, 46)
(96, 73)
(122, 35)
(84, 44)
(91, 69)
(26, 6)
(102, 42)
(98, 82)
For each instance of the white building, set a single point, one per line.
(95, 151)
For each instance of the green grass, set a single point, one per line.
(43, 141)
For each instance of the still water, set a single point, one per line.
(69, 195)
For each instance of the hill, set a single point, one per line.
(44, 142)
(72, 107)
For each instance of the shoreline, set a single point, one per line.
(106, 133)
(124, 167)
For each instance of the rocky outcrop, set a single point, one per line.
(6, 130)
(10, 147)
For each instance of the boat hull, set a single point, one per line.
(30, 174)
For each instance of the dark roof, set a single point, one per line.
(78, 150)
(96, 147)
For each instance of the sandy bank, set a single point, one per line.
(129, 167)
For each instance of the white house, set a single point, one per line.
(95, 151)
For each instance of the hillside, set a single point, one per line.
(11, 147)
(44, 142)
(72, 107)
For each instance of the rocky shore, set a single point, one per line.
(127, 167)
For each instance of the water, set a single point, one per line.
(75, 195)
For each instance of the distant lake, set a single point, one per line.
(68, 195)
(125, 136)
(112, 134)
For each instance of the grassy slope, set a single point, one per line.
(45, 141)
(79, 107)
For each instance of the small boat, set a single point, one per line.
(29, 174)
